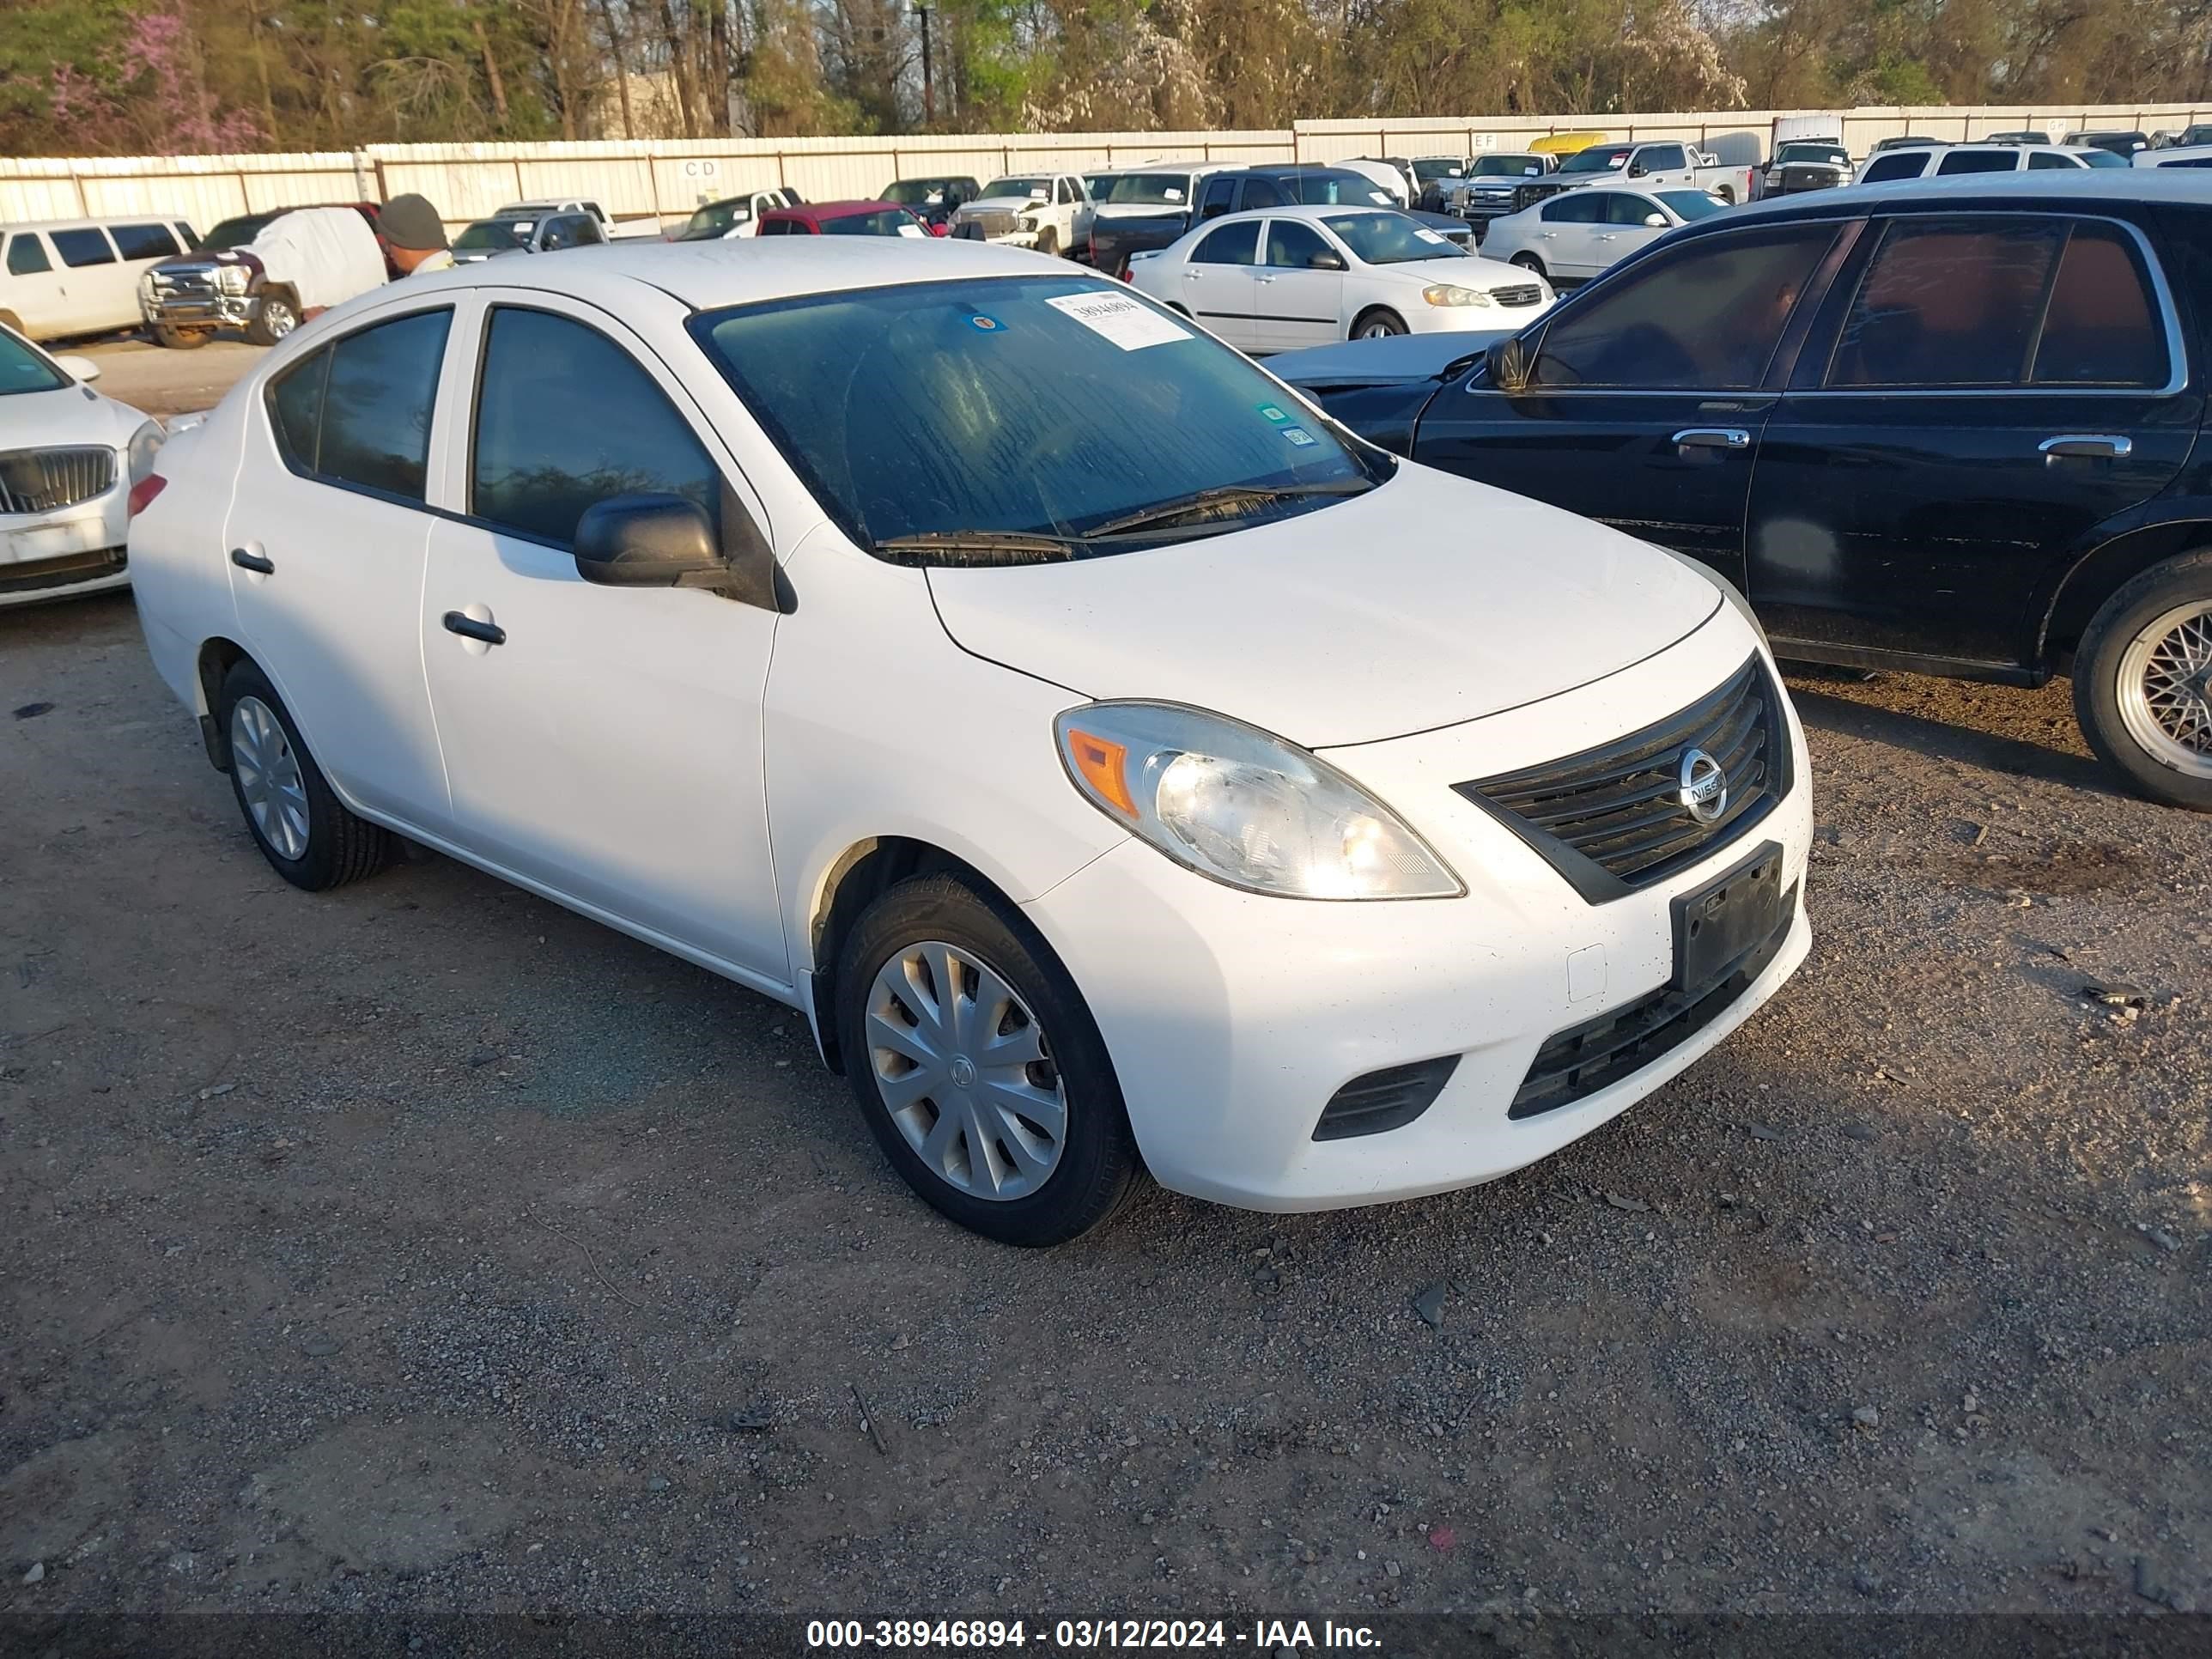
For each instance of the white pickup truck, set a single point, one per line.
(1659, 165)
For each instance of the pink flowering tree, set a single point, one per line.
(149, 95)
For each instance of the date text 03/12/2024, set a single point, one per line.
(1268, 1635)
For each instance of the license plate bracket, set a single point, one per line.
(1727, 918)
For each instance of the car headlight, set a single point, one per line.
(138, 456)
(1028, 222)
(1450, 293)
(233, 279)
(1247, 809)
(146, 283)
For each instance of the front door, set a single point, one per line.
(34, 289)
(603, 743)
(1646, 402)
(325, 542)
(1628, 229)
(1295, 302)
(1218, 281)
(1991, 389)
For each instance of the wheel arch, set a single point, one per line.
(217, 656)
(1377, 308)
(2085, 584)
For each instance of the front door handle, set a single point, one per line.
(254, 561)
(2085, 446)
(1263, 279)
(1192, 275)
(1712, 437)
(470, 629)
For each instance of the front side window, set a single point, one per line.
(494, 236)
(1231, 245)
(1220, 194)
(783, 227)
(1709, 318)
(1040, 405)
(2044, 160)
(145, 241)
(1292, 245)
(565, 419)
(358, 411)
(80, 248)
(1263, 193)
(1945, 303)
(1659, 158)
(1603, 158)
(236, 232)
(1898, 164)
(1575, 208)
(23, 369)
(1390, 239)
(26, 256)
(1626, 208)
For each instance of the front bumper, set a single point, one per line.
(1233, 1018)
(68, 552)
(207, 311)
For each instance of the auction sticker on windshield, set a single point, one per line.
(1127, 323)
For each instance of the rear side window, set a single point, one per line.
(144, 241)
(1575, 208)
(565, 419)
(1231, 245)
(1978, 161)
(2043, 161)
(1948, 304)
(1709, 318)
(1900, 164)
(27, 257)
(80, 248)
(358, 411)
(2103, 326)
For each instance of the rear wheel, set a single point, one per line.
(301, 827)
(1377, 324)
(2142, 682)
(1529, 262)
(979, 1069)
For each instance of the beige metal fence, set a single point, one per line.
(653, 182)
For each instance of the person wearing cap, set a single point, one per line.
(415, 235)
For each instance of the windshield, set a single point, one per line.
(1429, 171)
(1507, 167)
(1603, 159)
(1327, 189)
(917, 192)
(493, 233)
(715, 220)
(1827, 153)
(236, 232)
(2103, 158)
(22, 370)
(1689, 204)
(1142, 189)
(1390, 239)
(1036, 406)
(1018, 187)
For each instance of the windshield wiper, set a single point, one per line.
(974, 547)
(1220, 502)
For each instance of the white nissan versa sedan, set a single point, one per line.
(1113, 759)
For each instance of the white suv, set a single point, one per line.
(1117, 764)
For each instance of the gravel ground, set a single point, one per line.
(165, 382)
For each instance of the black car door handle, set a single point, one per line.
(2085, 446)
(1712, 437)
(470, 629)
(254, 561)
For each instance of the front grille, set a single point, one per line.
(1527, 195)
(991, 222)
(1387, 1099)
(43, 480)
(1526, 294)
(1794, 178)
(32, 575)
(185, 281)
(1612, 819)
(1584, 1059)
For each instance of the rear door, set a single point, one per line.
(1647, 397)
(1983, 391)
(1218, 281)
(1295, 303)
(90, 268)
(1567, 232)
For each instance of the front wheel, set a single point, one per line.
(2142, 682)
(297, 820)
(273, 318)
(979, 1069)
(1047, 241)
(1377, 325)
(179, 339)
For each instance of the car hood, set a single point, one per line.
(1002, 205)
(55, 420)
(1458, 270)
(1426, 602)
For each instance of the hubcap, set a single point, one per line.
(277, 318)
(269, 780)
(963, 1069)
(2165, 689)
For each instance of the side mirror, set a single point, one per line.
(1655, 221)
(647, 541)
(1324, 259)
(1508, 362)
(78, 368)
(1637, 170)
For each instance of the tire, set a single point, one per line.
(935, 927)
(2140, 680)
(1047, 242)
(180, 339)
(277, 315)
(304, 831)
(1529, 262)
(1377, 324)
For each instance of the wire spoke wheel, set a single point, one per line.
(965, 1072)
(2165, 689)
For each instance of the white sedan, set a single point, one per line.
(1292, 277)
(1582, 233)
(71, 462)
(1118, 766)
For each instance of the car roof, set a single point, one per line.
(160, 216)
(708, 275)
(2077, 189)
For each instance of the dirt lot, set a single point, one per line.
(422, 1246)
(165, 382)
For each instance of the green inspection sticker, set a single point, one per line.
(1273, 413)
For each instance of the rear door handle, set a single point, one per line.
(1263, 279)
(255, 562)
(2085, 446)
(470, 629)
(1712, 437)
